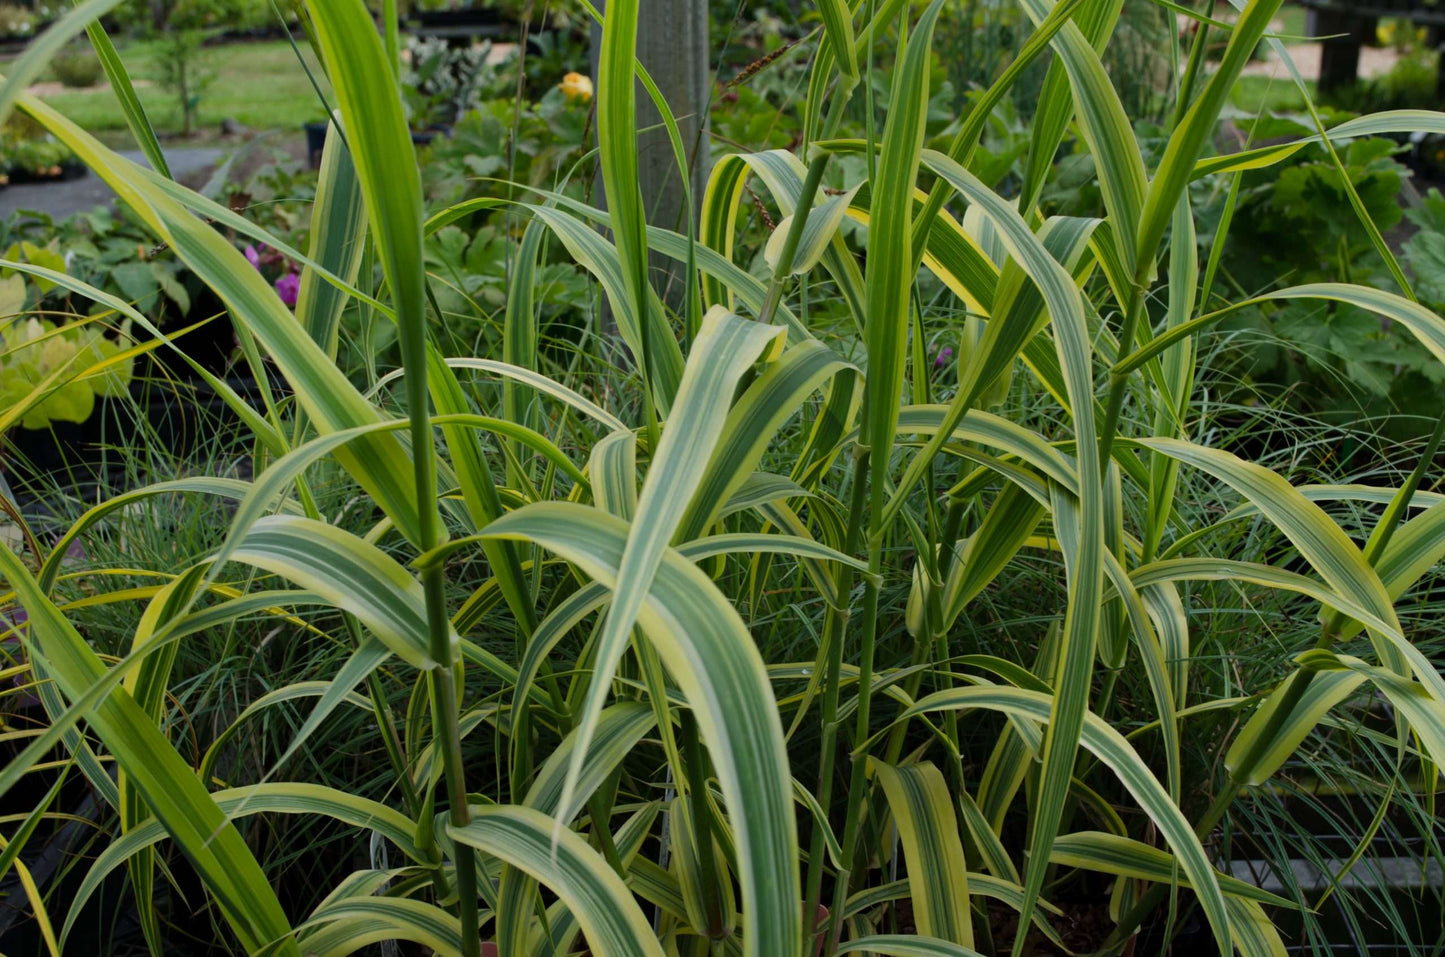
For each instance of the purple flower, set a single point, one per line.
(944, 355)
(288, 287)
(253, 257)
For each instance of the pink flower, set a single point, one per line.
(944, 355)
(288, 287)
(253, 257)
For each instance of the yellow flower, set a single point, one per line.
(576, 86)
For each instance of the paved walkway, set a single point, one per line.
(60, 200)
(1374, 61)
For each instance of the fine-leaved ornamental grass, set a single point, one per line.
(679, 660)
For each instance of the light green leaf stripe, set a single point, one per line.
(380, 147)
(726, 347)
(1114, 854)
(928, 829)
(710, 654)
(338, 235)
(1010, 521)
(539, 382)
(906, 945)
(351, 574)
(888, 277)
(562, 861)
(346, 925)
(1327, 690)
(1116, 753)
(613, 469)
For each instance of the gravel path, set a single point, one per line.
(60, 200)
(1374, 61)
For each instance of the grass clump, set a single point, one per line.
(904, 588)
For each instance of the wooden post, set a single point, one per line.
(1340, 57)
(672, 43)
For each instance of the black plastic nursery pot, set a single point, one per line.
(70, 169)
(462, 24)
(89, 458)
(316, 139)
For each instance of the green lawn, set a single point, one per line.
(259, 84)
(1276, 95)
(1291, 20)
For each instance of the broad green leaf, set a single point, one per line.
(1113, 854)
(711, 656)
(291, 692)
(1084, 565)
(1322, 543)
(707, 893)
(338, 234)
(640, 320)
(725, 349)
(1224, 569)
(818, 232)
(562, 861)
(1105, 128)
(928, 829)
(906, 945)
(272, 798)
(349, 573)
(890, 257)
(1423, 710)
(771, 399)
(1254, 933)
(617, 151)
(838, 28)
(130, 104)
(350, 924)
(1115, 752)
(1193, 133)
(1373, 124)
(1327, 690)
